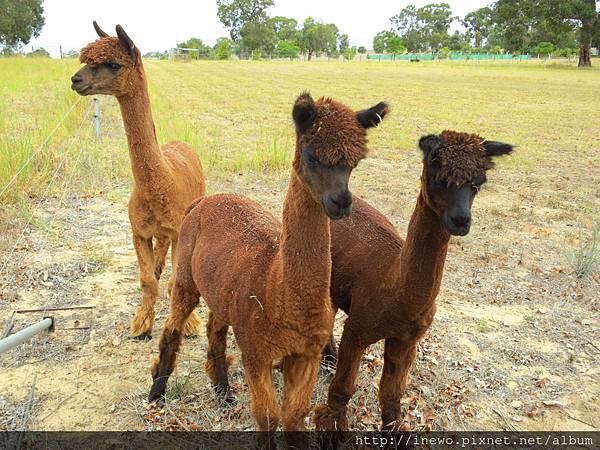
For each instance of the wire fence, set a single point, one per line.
(40, 343)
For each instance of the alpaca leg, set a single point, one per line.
(299, 376)
(141, 325)
(398, 358)
(332, 416)
(161, 247)
(259, 377)
(216, 359)
(192, 326)
(183, 303)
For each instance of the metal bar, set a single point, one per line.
(25, 334)
(65, 308)
(97, 115)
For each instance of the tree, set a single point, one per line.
(395, 46)
(543, 49)
(423, 28)
(20, 20)
(287, 49)
(285, 28)
(73, 54)
(582, 15)
(223, 48)
(258, 36)
(317, 37)
(381, 39)
(40, 52)
(514, 21)
(344, 43)
(407, 25)
(518, 23)
(195, 43)
(456, 42)
(349, 53)
(362, 50)
(234, 14)
(478, 24)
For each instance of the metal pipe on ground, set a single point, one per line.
(26, 333)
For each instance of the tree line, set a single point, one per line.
(543, 27)
(252, 32)
(560, 27)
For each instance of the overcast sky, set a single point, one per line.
(155, 25)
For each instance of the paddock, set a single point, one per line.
(516, 340)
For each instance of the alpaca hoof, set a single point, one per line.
(325, 419)
(142, 322)
(192, 326)
(225, 397)
(145, 337)
(157, 391)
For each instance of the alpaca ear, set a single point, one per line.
(495, 148)
(429, 144)
(127, 43)
(373, 116)
(99, 30)
(304, 112)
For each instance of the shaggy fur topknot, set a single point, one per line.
(461, 157)
(336, 135)
(102, 50)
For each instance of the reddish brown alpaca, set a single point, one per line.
(166, 179)
(388, 287)
(270, 283)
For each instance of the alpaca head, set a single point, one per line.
(331, 140)
(113, 66)
(454, 169)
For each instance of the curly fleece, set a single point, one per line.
(461, 157)
(103, 50)
(336, 136)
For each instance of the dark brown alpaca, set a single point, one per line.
(388, 287)
(270, 283)
(166, 179)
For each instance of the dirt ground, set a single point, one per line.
(515, 344)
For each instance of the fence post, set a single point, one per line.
(97, 115)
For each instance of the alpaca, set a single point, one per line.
(270, 282)
(166, 179)
(388, 287)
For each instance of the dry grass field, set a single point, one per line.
(516, 340)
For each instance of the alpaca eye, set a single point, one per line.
(312, 159)
(113, 66)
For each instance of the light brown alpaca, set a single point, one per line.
(270, 283)
(166, 180)
(388, 287)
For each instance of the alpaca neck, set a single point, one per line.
(147, 163)
(422, 257)
(305, 246)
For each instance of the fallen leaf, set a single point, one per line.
(553, 403)
(534, 412)
(541, 382)
(586, 322)
(409, 400)
(517, 419)
(116, 341)
(516, 404)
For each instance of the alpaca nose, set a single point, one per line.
(461, 221)
(76, 78)
(342, 200)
